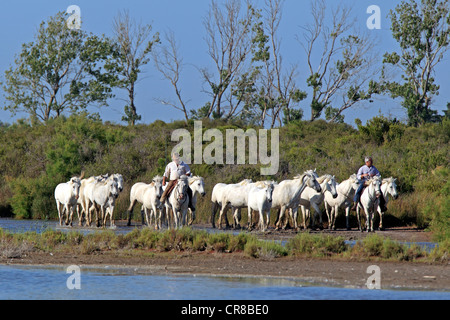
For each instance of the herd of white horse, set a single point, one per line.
(307, 191)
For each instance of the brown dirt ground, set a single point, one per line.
(330, 272)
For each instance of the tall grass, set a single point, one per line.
(304, 245)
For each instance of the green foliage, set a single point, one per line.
(35, 159)
(62, 69)
(423, 34)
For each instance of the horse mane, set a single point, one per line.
(387, 180)
(193, 179)
(307, 172)
(322, 179)
(299, 176)
(260, 184)
(373, 179)
(245, 182)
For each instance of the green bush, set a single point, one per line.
(35, 158)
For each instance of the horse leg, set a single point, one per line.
(262, 226)
(358, 216)
(130, 211)
(223, 211)
(267, 219)
(71, 216)
(280, 217)
(347, 218)
(381, 218)
(214, 208)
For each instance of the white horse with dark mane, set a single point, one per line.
(346, 191)
(197, 185)
(66, 196)
(369, 202)
(311, 198)
(286, 195)
(224, 196)
(388, 187)
(260, 200)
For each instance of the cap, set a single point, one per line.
(368, 159)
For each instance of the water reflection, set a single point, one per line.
(36, 283)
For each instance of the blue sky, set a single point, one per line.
(20, 19)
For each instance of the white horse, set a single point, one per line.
(346, 191)
(151, 204)
(83, 201)
(103, 196)
(219, 200)
(197, 185)
(260, 199)
(137, 195)
(286, 195)
(388, 187)
(368, 201)
(178, 202)
(311, 198)
(66, 196)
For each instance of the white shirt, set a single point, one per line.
(182, 169)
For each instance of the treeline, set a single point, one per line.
(34, 158)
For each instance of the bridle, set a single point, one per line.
(180, 197)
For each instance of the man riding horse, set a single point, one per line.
(365, 173)
(174, 170)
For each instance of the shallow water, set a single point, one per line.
(42, 283)
(39, 226)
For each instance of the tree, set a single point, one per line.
(62, 69)
(278, 93)
(169, 63)
(330, 77)
(423, 34)
(134, 44)
(228, 37)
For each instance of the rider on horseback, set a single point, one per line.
(174, 170)
(365, 173)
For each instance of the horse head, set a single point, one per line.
(197, 184)
(391, 187)
(157, 184)
(312, 181)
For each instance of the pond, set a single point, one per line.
(50, 283)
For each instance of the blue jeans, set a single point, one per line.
(359, 191)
